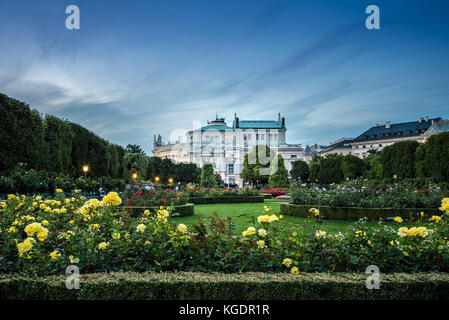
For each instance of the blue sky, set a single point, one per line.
(136, 68)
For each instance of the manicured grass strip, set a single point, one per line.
(220, 286)
(244, 214)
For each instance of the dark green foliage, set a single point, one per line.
(399, 160)
(58, 149)
(21, 133)
(256, 165)
(373, 167)
(207, 178)
(433, 158)
(300, 171)
(221, 286)
(278, 177)
(352, 167)
(134, 148)
(135, 163)
(327, 170)
(355, 214)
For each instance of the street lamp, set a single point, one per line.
(157, 179)
(135, 176)
(85, 170)
(170, 180)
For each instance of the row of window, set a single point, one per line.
(392, 134)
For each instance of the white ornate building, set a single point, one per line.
(225, 146)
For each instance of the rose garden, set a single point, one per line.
(174, 231)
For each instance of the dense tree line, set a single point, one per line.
(399, 161)
(50, 147)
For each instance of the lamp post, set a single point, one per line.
(134, 176)
(85, 170)
(170, 180)
(157, 179)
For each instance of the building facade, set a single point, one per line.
(225, 146)
(382, 135)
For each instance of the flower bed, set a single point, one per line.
(221, 199)
(274, 192)
(202, 192)
(365, 194)
(43, 237)
(221, 286)
(138, 196)
(355, 214)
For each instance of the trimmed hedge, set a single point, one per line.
(220, 286)
(183, 210)
(354, 214)
(227, 199)
(266, 195)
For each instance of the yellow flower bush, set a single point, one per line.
(40, 236)
(436, 219)
(112, 199)
(445, 205)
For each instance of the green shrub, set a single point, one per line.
(219, 286)
(433, 158)
(299, 171)
(399, 160)
(367, 194)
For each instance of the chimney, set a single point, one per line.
(421, 120)
(387, 125)
(283, 122)
(279, 116)
(237, 125)
(427, 118)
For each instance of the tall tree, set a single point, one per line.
(134, 148)
(278, 177)
(299, 171)
(207, 178)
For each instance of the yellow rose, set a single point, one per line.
(103, 245)
(294, 270)
(182, 228)
(55, 255)
(112, 199)
(141, 228)
(398, 219)
(287, 262)
(262, 233)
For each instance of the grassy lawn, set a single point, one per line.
(244, 213)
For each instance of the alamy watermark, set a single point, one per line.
(73, 279)
(72, 22)
(373, 20)
(373, 280)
